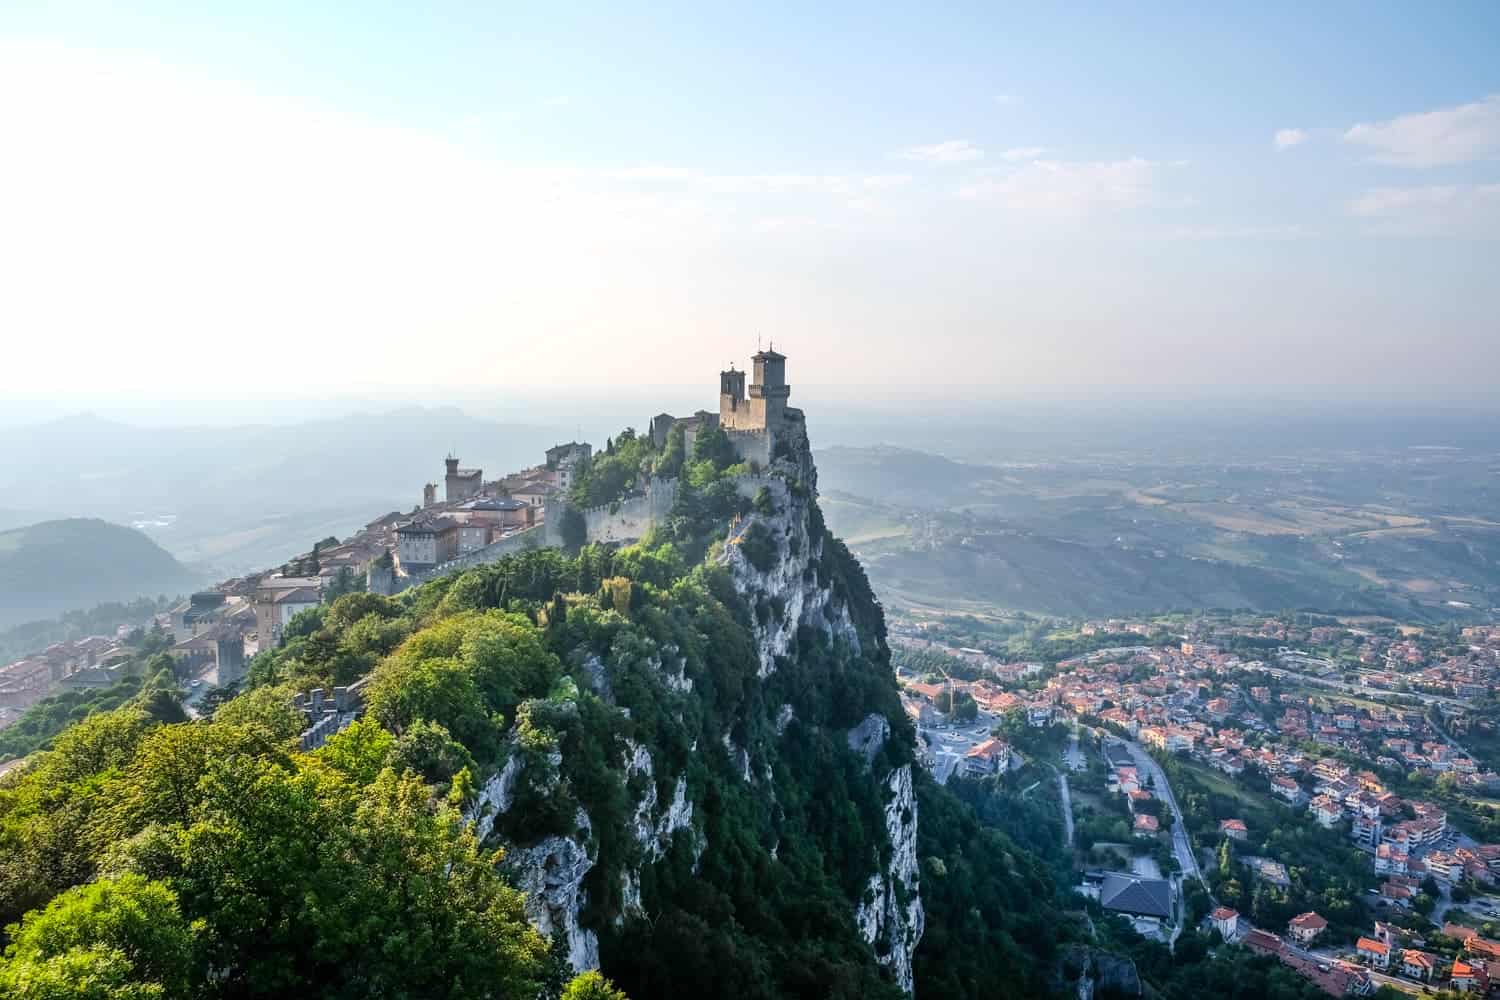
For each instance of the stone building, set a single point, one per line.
(425, 542)
(754, 417)
(277, 599)
(764, 409)
(461, 483)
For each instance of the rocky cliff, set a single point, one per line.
(712, 755)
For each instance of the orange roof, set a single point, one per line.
(1370, 944)
(1309, 921)
(1483, 946)
(1232, 824)
(989, 749)
(1225, 913)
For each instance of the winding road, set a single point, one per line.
(1182, 845)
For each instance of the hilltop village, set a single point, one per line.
(466, 520)
(1324, 794)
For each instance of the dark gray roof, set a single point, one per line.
(1118, 755)
(434, 526)
(1146, 897)
(491, 503)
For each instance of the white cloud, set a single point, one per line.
(1462, 134)
(952, 151)
(1066, 189)
(882, 182)
(1006, 100)
(1288, 137)
(560, 101)
(1022, 153)
(1431, 210)
(1268, 232)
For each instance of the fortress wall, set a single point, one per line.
(529, 538)
(630, 519)
(752, 445)
(625, 521)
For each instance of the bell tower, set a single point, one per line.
(732, 409)
(769, 391)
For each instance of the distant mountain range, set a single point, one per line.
(56, 566)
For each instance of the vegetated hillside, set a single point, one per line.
(691, 751)
(56, 566)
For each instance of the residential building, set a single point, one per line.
(1306, 927)
(1136, 895)
(990, 757)
(1374, 953)
(1234, 829)
(1227, 922)
(1418, 964)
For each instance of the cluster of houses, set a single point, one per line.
(1407, 662)
(473, 513)
(78, 663)
(1333, 976)
(215, 632)
(1393, 951)
(1125, 779)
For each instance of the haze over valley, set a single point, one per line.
(595, 501)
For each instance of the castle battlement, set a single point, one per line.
(764, 406)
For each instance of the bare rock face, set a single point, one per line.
(791, 582)
(868, 738)
(790, 592)
(495, 798)
(653, 830)
(890, 915)
(551, 874)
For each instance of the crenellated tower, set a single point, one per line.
(769, 391)
(732, 404)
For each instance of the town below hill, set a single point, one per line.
(1321, 792)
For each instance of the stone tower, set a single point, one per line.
(429, 494)
(769, 391)
(732, 408)
(460, 484)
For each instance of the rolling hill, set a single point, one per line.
(55, 566)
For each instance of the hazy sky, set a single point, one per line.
(197, 203)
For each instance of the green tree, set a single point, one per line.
(121, 939)
(592, 986)
(359, 751)
(712, 445)
(268, 708)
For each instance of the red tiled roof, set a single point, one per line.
(1309, 921)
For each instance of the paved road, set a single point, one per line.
(949, 744)
(1374, 694)
(1067, 809)
(1073, 757)
(1182, 845)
